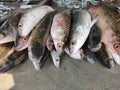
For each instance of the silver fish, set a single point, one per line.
(37, 40)
(81, 26)
(8, 29)
(60, 29)
(108, 20)
(30, 19)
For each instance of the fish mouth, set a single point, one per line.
(19, 47)
(109, 63)
(115, 55)
(81, 54)
(71, 51)
(96, 48)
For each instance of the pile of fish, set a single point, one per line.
(91, 34)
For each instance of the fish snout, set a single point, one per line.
(71, 50)
(110, 63)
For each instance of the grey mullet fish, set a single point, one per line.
(37, 40)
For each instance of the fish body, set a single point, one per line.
(60, 29)
(80, 30)
(94, 39)
(12, 60)
(6, 49)
(108, 20)
(30, 19)
(37, 40)
(8, 29)
(105, 58)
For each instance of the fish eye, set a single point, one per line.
(59, 45)
(116, 46)
(24, 39)
(3, 34)
(51, 41)
(20, 25)
(72, 43)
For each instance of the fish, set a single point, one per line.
(94, 39)
(8, 29)
(6, 49)
(104, 57)
(37, 40)
(29, 5)
(21, 43)
(12, 60)
(79, 55)
(89, 55)
(80, 29)
(108, 20)
(56, 57)
(60, 29)
(30, 19)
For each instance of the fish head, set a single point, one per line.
(59, 45)
(49, 43)
(56, 58)
(23, 29)
(74, 46)
(21, 43)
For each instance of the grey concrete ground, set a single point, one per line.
(73, 75)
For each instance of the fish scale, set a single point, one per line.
(67, 27)
(113, 17)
